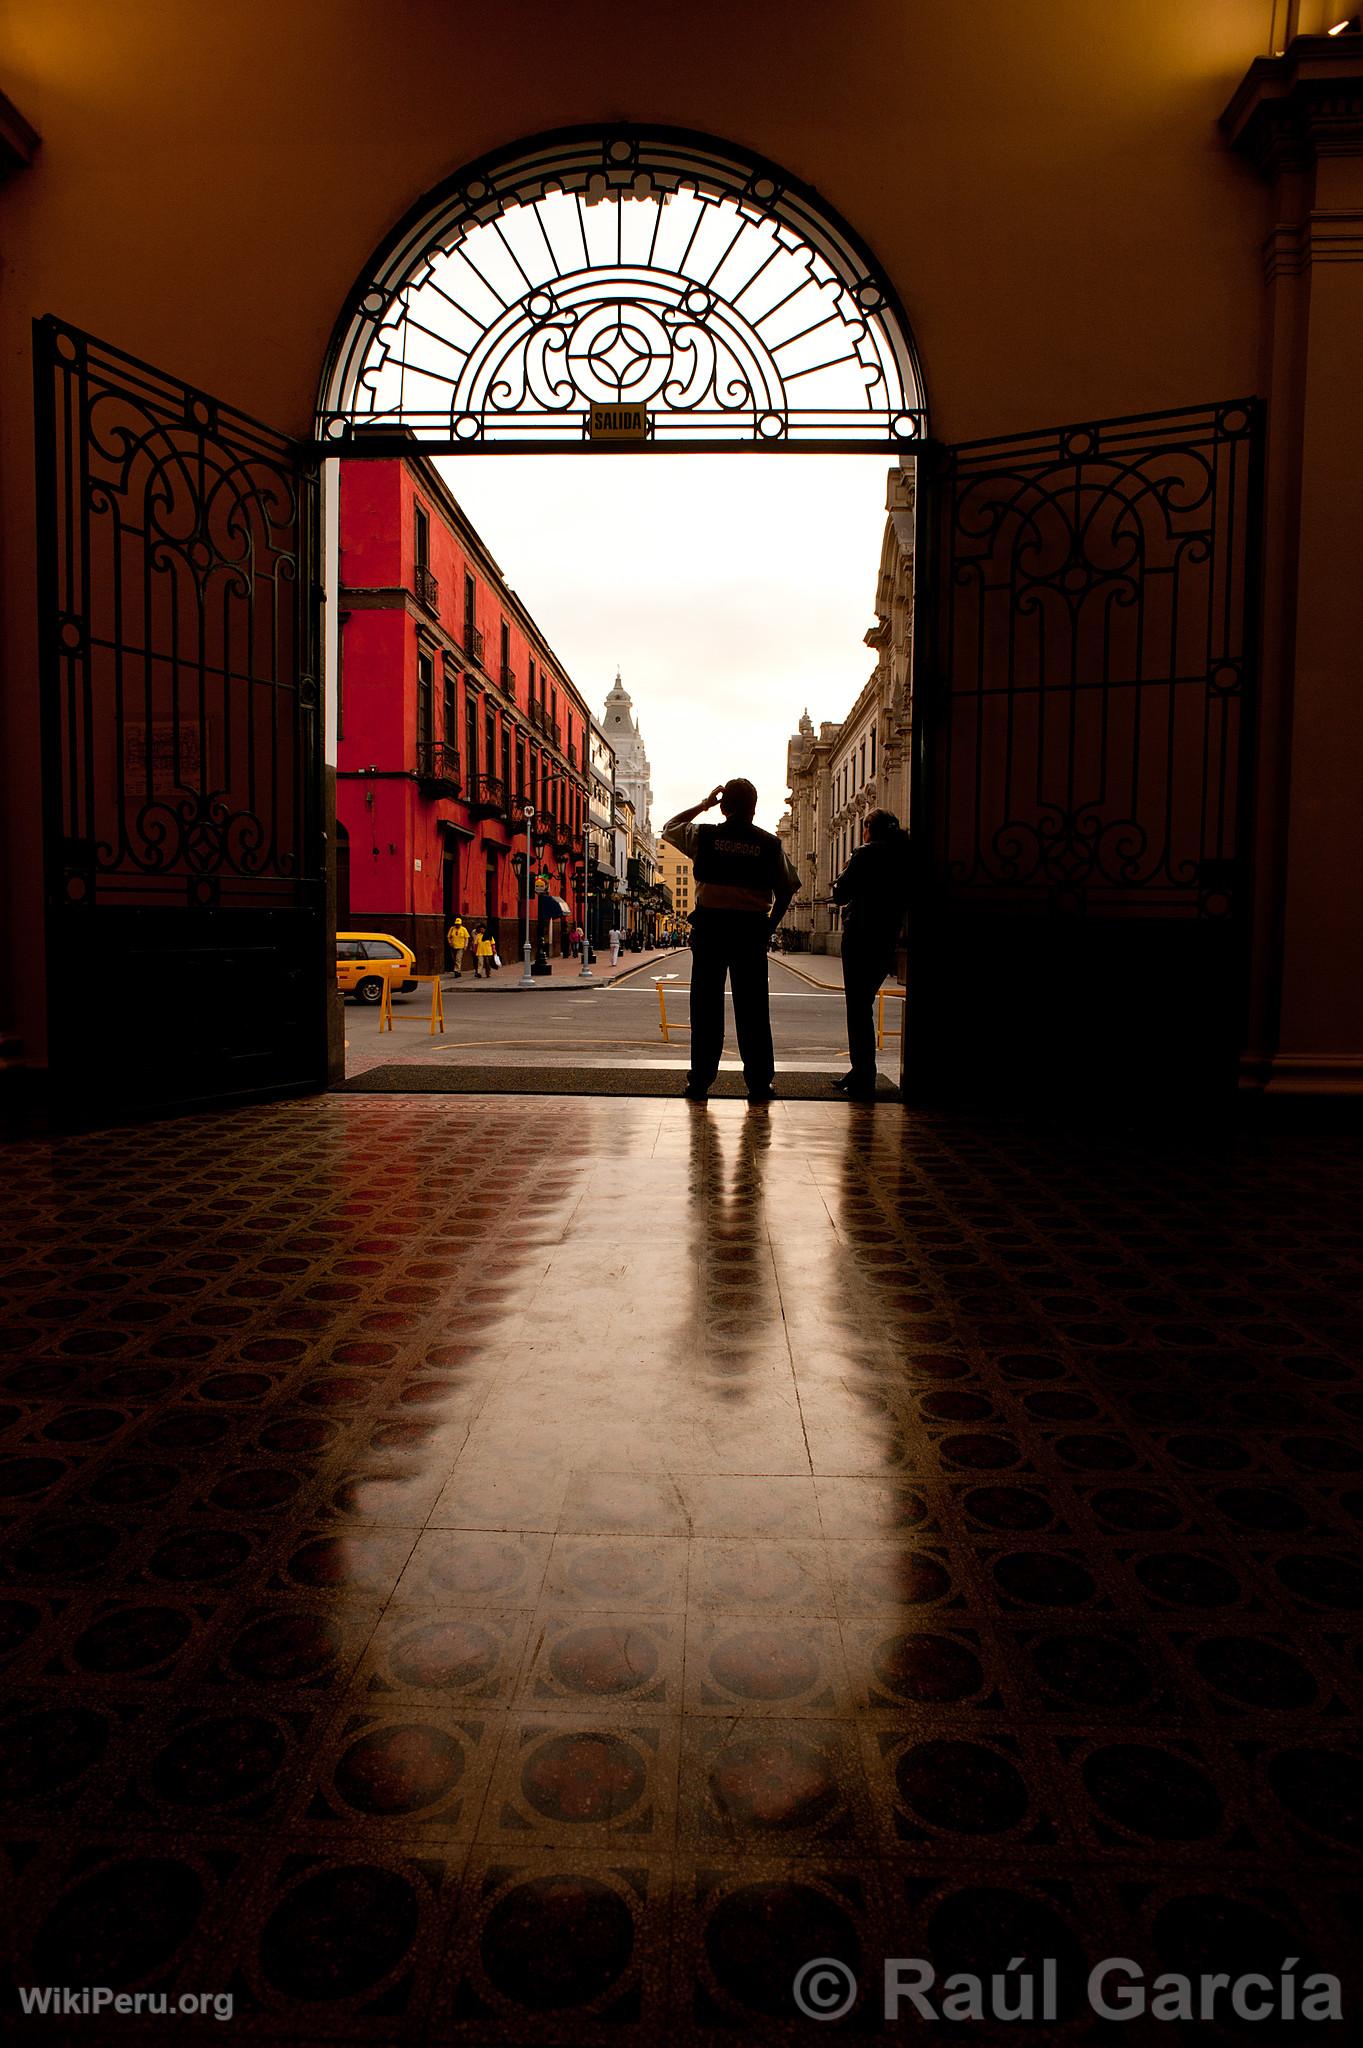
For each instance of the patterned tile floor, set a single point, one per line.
(494, 1571)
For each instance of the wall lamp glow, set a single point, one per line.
(1350, 26)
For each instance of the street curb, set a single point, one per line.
(832, 988)
(547, 984)
(829, 987)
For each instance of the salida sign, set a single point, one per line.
(618, 423)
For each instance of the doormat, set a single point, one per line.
(660, 1081)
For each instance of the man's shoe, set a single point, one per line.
(767, 1094)
(845, 1081)
(693, 1094)
(860, 1091)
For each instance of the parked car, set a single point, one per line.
(365, 960)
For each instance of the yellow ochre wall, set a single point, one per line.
(1044, 180)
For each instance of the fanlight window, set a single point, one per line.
(717, 297)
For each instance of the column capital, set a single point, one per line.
(1306, 103)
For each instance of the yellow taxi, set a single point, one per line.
(365, 960)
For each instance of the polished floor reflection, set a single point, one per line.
(541, 1571)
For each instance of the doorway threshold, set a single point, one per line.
(658, 1079)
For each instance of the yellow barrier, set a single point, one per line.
(659, 982)
(881, 1033)
(437, 1003)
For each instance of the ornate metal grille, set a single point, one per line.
(487, 795)
(182, 742)
(650, 268)
(437, 765)
(1082, 721)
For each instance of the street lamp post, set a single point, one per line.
(527, 979)
(585, 973)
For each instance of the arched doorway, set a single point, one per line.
(1084, 660)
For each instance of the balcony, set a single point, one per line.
(539, 717)
(437, 768)
(487, 796)
(564, 841)
(427, 589)
(473, 642)
(507, 678)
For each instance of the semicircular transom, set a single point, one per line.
(623, 268)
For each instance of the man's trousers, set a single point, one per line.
(865, 965)
(732, 943)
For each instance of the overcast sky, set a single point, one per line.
(730, 591)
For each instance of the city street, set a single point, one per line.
(605, 1022)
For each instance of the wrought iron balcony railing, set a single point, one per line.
(427, 589)
(564, 841)
(507, 679)
(437, 768)
(473, 642)
(539, 717)
(487, 796)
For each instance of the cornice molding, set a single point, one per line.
(1306, 103)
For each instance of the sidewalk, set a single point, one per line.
(824, 970)
(563, 974)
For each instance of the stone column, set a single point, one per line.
(1299, 118)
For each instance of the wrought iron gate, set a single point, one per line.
(182, 745)
(1083, 699)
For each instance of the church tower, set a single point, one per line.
(631, 760)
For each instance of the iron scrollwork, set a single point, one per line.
(180, 686)
(647, 268)
(1085, 719)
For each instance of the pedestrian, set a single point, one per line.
(486, 953)
(616, 937)
(458, 939)
(873, 890)
(575, 940)
(744, 882)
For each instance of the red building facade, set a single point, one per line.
(454, 714)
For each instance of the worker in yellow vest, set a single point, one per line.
(486, 954)
(458, 938)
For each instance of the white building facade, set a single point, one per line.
(603, 880)
(862, 762)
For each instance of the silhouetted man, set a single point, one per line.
(873, 890)
(743, 885)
